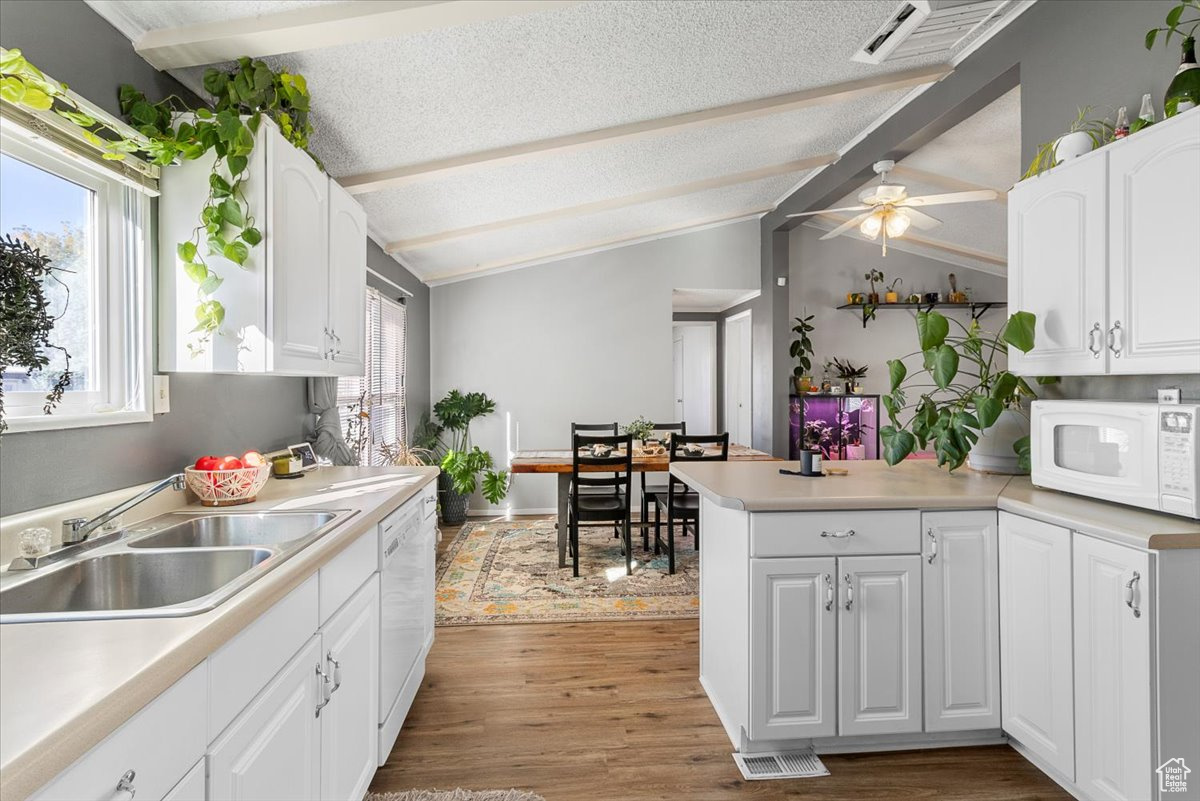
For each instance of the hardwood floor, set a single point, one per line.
(615, 711)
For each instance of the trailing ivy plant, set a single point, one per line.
(27, 319)
(171, 131)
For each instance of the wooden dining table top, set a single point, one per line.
(561, 461)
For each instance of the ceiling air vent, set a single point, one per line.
(929, 27)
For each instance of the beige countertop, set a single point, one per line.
(66, 686)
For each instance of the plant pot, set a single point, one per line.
(856, 452)
(891, 297)
(802, 383)
(1072, 145)
(994, 453)
(850, 297)
(454, 504)
(873, 297)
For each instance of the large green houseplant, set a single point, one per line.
(958, 392)
(463, 464)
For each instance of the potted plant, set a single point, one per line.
(817, 435)
(640, 428)
(873, 275)
(802, 352)
(975, 413)
(892, 295)
(1084, 135)
(1184, 90)
(463, 463)
(852, 430)
(850, 375)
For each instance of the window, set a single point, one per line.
(373, 406)
(92, 226)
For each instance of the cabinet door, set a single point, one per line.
(792, 648)
(1154, 250)
(297, 239)
(879, 645)
(191, 787)
(1036, 694)
(1112, 670)
(1056, 256)
(962, 621)
(273, 749)
(347, 280)
(349, 723)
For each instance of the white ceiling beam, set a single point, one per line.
(776, 104)
(609, 204)
(321, 26)
(947, 182)
(557, 254)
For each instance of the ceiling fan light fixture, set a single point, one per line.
(897, 223)
(871, 226)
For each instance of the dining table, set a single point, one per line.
(645, 460)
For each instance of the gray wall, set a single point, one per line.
(417, 359)
(580, 339)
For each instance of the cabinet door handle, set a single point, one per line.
(1116, 339)
(1130, 591)
(838, 535)
(125, 791)
(326, 693)
(849, 591)
(932, 545)
(337, 672)
(1094, 344)
(828, 593)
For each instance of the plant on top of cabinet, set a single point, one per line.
(802, 352)
(1184, 90)
(28, 322)
(955, 407)
(1084, 135)
(463, 462)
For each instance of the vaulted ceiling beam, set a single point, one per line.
(777, 104)
(321, 26)
(946, 181)
(609, 204)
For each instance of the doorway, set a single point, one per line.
(737, 378)
(694, 348)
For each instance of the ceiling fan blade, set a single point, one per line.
(951, 197)
(830, 211)
(846, 226)
(921, 220)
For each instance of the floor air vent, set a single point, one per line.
(784, 765)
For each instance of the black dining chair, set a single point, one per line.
(681, 501)
(608, 429)
(650, 491)
(598, 496)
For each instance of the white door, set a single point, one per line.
(273, 749)
(695, 362)
(1036, 693)
(678, 367)
(737, 378)
(1112, 670)
(879, 645)
(792, 648)
(349, 722)
(962, 621)
(347, 280)
(297, 237)
(1057, 226)
(1154, 250)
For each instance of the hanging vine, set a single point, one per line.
(171, 131)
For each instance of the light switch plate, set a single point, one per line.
(1169, 395)
(162, 394)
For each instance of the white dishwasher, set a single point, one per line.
(406, 566)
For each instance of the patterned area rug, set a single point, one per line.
(507, 572)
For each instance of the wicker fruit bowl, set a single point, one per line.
(227, 487)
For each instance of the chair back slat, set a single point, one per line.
(678, 453)
(620, 460)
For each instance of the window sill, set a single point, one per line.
(53, 422)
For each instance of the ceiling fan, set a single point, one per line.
(888, 210)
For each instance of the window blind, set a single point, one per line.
(374, 411)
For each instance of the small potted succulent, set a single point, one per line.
(892, 295)
(873, 276)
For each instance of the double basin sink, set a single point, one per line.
(173, 565)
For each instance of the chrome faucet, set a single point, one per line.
(76, 530)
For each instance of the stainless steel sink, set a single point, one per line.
(234, 530)
(127, 580)
(173, 565)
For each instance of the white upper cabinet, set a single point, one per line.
(1154, 250)
(1105, 250)
(1056, 247)
(296, 306)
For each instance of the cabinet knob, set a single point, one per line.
(1130, 593)
(1094, 340)
(1116, 339)
(932, 545)
(125, 791)
(838, 535)
(849, 591)
(323, 687)
(337, 672)
(828, 593)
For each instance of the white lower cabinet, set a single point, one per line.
(1035, 639)
(1112, 670)
(879, 645)
(273, 749)
(191, 787)
(961, 621)
(350, 644)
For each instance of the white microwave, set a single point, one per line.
(1139, 454)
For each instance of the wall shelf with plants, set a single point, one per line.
(976, 307)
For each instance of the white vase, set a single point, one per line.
(1072, 145)
(994, 453)
(856, 452)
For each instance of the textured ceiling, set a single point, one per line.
(458, 90)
